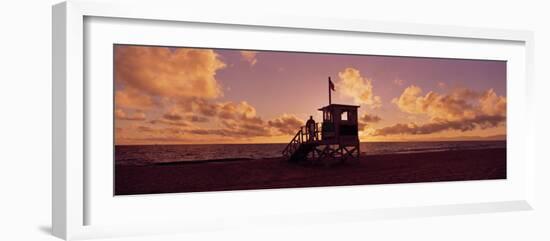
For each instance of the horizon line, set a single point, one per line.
(271, 143)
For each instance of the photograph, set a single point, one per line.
(195, 119)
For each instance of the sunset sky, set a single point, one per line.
(197, 96)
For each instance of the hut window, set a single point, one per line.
(327, 116)
(344, 116)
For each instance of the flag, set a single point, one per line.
(330, 84)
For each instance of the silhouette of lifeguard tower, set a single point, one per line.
(335, 139)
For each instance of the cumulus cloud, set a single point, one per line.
(462, 110)
(353, 85)
(173, 116)
(231, 110)
(122, 115)
(286, 124)
(492, 104)
(250, 57)
(223, 110)
(244, 126)
(437, 106)
(238, 119)
(203, 107)
(132, 99)
(480, 122)
(367, 119)
(458, 105)
(237, 126)
(176, 96)
(147, 72)
(370, 118)
(176, 116)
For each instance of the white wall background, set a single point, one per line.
(25, 119)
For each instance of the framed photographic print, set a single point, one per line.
(192, 119)
(175, 112)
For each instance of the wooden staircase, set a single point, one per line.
(301, 145)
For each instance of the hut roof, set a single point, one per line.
(339, 106)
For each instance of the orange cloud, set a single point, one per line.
(458, 105)
(122, 115)
(239, 120)
(231, 110)
(223, 110)
(365, 119)
(286, 124)
(167, 73)
(177, 117)
(353, 85)
(462, 110)
(492, 104)
(180, 85)
(370, 118)
(447, 107)
(250, 57)
(132, 99)
(160, 78)
(173, 116)
(479, 122)
(243, 126)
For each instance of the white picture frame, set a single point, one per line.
(71, 188)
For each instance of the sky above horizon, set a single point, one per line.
(197, 96)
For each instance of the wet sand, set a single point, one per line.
(245, 174)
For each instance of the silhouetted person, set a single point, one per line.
(310, 127)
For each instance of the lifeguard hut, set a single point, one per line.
(335, 139)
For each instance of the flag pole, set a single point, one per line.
(329, 93)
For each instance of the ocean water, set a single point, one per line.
(151, 154)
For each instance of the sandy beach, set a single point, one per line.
(245, 174)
